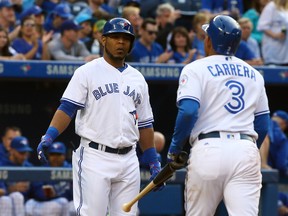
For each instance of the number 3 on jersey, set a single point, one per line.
(237, 104)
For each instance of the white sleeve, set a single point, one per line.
(262, 105)
(189, 85)
(76, 91)
(144, 110)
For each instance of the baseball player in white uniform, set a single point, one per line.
(223, 110)
(114, 113)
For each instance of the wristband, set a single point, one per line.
(149, 156)
(52, 132)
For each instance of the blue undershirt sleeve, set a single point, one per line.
(261, 126)
(186, 118)
(69, 108)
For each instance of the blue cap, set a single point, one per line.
(281, 114)
(70, 25)
(34, 10)
(5, 3)
(21, 144)
(57, 147)
(82, 18)
(131, 2)
(63, 10)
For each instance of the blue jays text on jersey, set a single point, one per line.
(231, 69)
(114, 88)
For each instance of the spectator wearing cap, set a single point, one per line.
(9, 133)
(55, 19)
(98, 9)
(28, 42)
(275, 150)
(131, 3)
(52, 197)
(84, 20)
(94, 45)
(38, 15)
(68, 47)
(274, 153)
(18, 157)
(8, 19)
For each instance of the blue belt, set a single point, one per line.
(108, 149)
(216, 134)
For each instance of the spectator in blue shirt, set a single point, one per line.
(8, 19)
(198, 36)
(18, 157)
(52, 197)
(276, 144)
(145, 49)
(28, 42)
(234, 8)
(9, 134)
(246, 27)
(246, 54)
(181, 47)
(54, 20)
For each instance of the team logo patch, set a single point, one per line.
(183, 80)
(135, 116)
(123, 24)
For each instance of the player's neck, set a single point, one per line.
(115, 63)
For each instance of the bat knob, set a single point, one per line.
(126, 207)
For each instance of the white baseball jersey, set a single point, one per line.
(229, 104)
(107, 118)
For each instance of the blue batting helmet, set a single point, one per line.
(119, 25)
(225, 34)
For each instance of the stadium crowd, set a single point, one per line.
(70, 30)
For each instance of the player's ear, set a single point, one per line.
(103, 40)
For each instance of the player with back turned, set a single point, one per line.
(113, 113)
(222, 111)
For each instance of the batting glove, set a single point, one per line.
(155, 168)
(149, 158)
(172, 152)
(46, 141)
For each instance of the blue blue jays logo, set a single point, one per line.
(135, 116)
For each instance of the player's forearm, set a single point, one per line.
(60, 121)
(186, 118)
(146, 140)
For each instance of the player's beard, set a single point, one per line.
(113, 57)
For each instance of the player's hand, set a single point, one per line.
(46, 141)
(149, 158)
(155, 168)
(172, 152)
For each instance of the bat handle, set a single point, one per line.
(126, 207)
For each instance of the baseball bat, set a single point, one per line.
(166, 173)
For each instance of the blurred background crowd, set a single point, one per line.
(167, 31)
